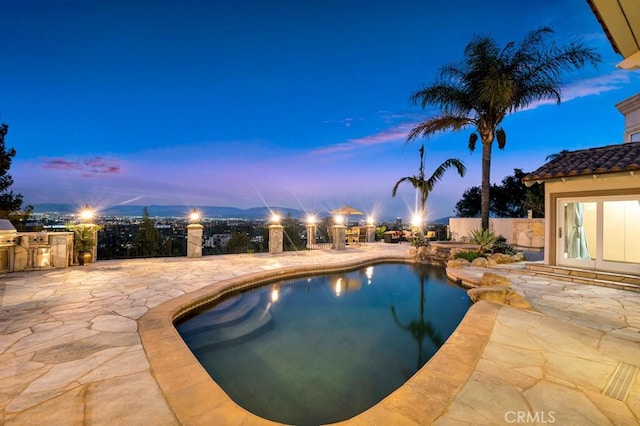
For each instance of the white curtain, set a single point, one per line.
(577, 244)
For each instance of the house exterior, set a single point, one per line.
(620, 22)
(592, 203)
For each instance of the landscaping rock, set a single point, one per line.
(504, 295)
(518, 257)
(457, 263)
(480, 262)
(501, 258)
(489, 279)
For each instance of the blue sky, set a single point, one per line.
(301, 104)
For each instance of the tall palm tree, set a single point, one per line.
(419, 327)
(555, 155)
(425, 186)
(492, 82)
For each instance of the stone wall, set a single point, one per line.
(521, 232)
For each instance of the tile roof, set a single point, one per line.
(594, 161)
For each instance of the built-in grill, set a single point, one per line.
(8, 235)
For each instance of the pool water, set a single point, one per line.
(325, 348)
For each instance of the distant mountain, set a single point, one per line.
(176, 211)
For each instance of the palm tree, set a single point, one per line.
(555, 155)
(419, 328)
(492, 82)
(425, 186)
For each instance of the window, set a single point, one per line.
(634, 137)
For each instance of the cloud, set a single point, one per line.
(100, 165)
(397, 133)
(89, 167)
(587, 87)
(61, 164)
(393, 134)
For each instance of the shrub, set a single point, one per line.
(420, 242)
(469, 255)
(484, 238)
(501, 246)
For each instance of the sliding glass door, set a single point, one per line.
(599, 233)
(577, 233)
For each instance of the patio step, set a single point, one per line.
(585, 276)
(227, 312)
(235, 318)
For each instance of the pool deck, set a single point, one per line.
(72, 352)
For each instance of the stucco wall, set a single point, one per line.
(631, 109)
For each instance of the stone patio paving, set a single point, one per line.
(71, 351)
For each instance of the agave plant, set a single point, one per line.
(484, 238)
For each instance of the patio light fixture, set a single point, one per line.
(275, 218)
(194, 216)
(416, 220)
(339, 219)
(311, 219)
(87, 213)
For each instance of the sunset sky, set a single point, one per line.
(300, 104)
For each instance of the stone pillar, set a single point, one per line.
(194, 240)
(94, 249)
(311, 235)
(338, 232)
(275, 239)
(371, 233)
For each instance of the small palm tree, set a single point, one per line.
(492, 82)
(425, 186)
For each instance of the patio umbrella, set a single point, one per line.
(346, 210)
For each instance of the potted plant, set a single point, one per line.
(84, 240)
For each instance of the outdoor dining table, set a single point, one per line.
(352, 236)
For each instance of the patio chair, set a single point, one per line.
(363, 236)
(354, 237)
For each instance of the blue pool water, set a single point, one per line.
(322, 349)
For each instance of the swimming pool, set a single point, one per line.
(325, 348)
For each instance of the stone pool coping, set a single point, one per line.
(195, 398)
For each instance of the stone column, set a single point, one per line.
(94, 249)
(275, 239)
(194, 240)
(311, 235)
(338, 232)
(371, 233)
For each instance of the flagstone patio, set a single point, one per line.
(71, 350)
